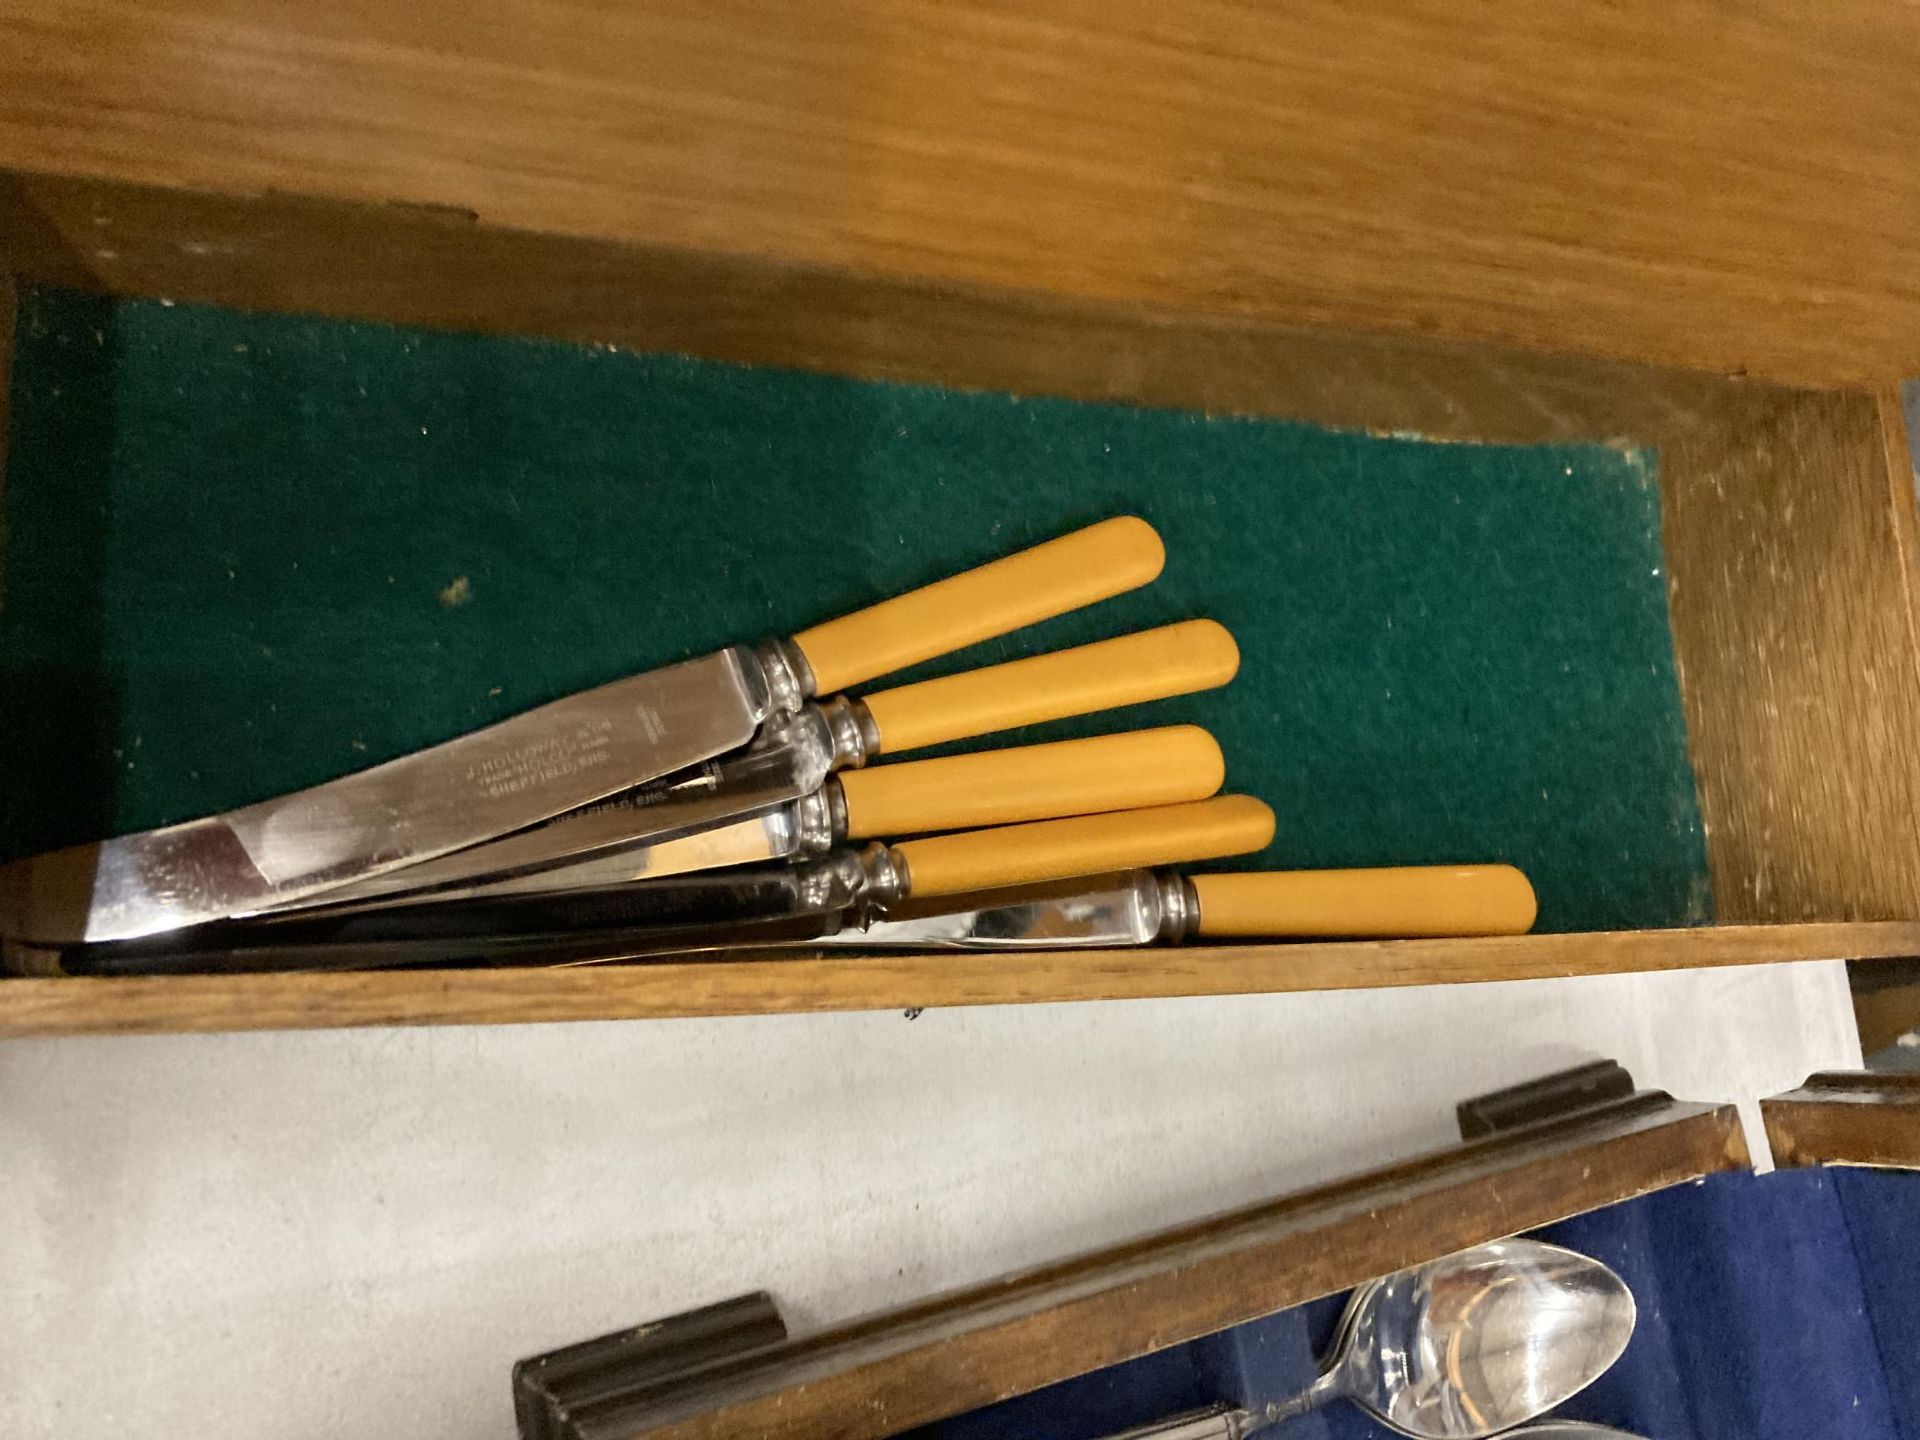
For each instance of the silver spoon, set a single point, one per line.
(1567, 1430)
(1459, 1348)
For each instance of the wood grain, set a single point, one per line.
(1847, 1118)
(1705, 184)
(1903, 504)
(752, 986)
(413, 266)
(887, 1373)
(1790, 592)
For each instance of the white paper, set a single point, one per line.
(357, 1232)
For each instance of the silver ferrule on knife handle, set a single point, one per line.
(886, 878)
(1178, 904)
(852, 737)
(819, 819)
(831, 884)
(789, 679)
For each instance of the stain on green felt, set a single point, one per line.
(245, 553)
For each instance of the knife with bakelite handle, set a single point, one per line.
(794, 759)
(1390, 902)
(916, 797)
(1143, 907)
(558, 757)
(617, 921)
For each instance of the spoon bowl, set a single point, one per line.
(1463, 1347)
(1478, 1342)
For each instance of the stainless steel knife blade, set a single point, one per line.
(615, 922)
(1129, 912)
(558, 757)
(791, 758)
(1137, 908)
(792, 908)
(775, 834)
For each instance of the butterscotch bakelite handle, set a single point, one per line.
(1147, 665)
(1163, 766)
(1102, 560)
(1087, 845)
(1403, 902)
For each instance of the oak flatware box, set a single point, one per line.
(249, 551)
(297, 483)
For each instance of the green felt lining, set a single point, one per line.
(248, 552)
